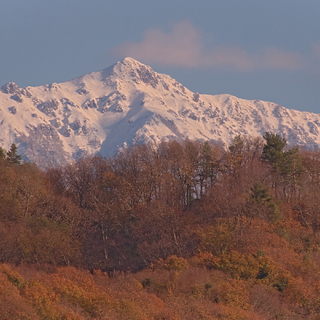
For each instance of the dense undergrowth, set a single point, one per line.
(181, 231)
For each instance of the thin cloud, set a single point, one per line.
(183, 46)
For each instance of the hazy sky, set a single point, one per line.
(253, 49)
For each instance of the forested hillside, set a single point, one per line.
(178, 231)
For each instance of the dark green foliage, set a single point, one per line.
(208, 286)
(148, 282)
(261, 196)
(273, 149)
(291, 164)
(237, 146)
(208, 169)
(260, 193)
(281, 285)
(287, 165)
(260, 253)
(12, 155)
(3, 153)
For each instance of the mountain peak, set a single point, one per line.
(131, 69)
(130, 103)
(130, 60)
(128, 64)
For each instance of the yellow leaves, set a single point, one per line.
(216, 238)
(243, 266)
(257, 268)
(203, 259)
(173, 263)
(195, 293)
(54, 296)
(235, 293)
(132, 310)
(13, 276)
(43, 299)
(12, 305)
(78, 288)
(138, 285)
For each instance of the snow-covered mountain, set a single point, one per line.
(130, 103)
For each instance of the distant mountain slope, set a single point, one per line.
(130, 103)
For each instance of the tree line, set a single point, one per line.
(148, 202)
(246, 218)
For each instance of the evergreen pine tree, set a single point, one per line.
(287, 165)
(273, 149)
(237, 146)
(260, 194)
(12, 155)
(3, 153)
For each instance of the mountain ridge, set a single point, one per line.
(129, 103)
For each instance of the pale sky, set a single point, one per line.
(253, 49)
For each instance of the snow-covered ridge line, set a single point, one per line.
(130, 103)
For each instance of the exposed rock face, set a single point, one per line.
(43, 143)
(10, 88)
(92, 104)
(49, 107)
(17, 97)
(147, 76)
(13, 110)
(130, 103)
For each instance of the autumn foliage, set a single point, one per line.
(178, 231)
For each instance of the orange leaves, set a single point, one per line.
(13, 276)
(220, 251)
(190, 293)
(79, 289)
(42, 298)
(173, 263)
(12, 305)
(243, 266)
(235, 293)
(217, 238)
